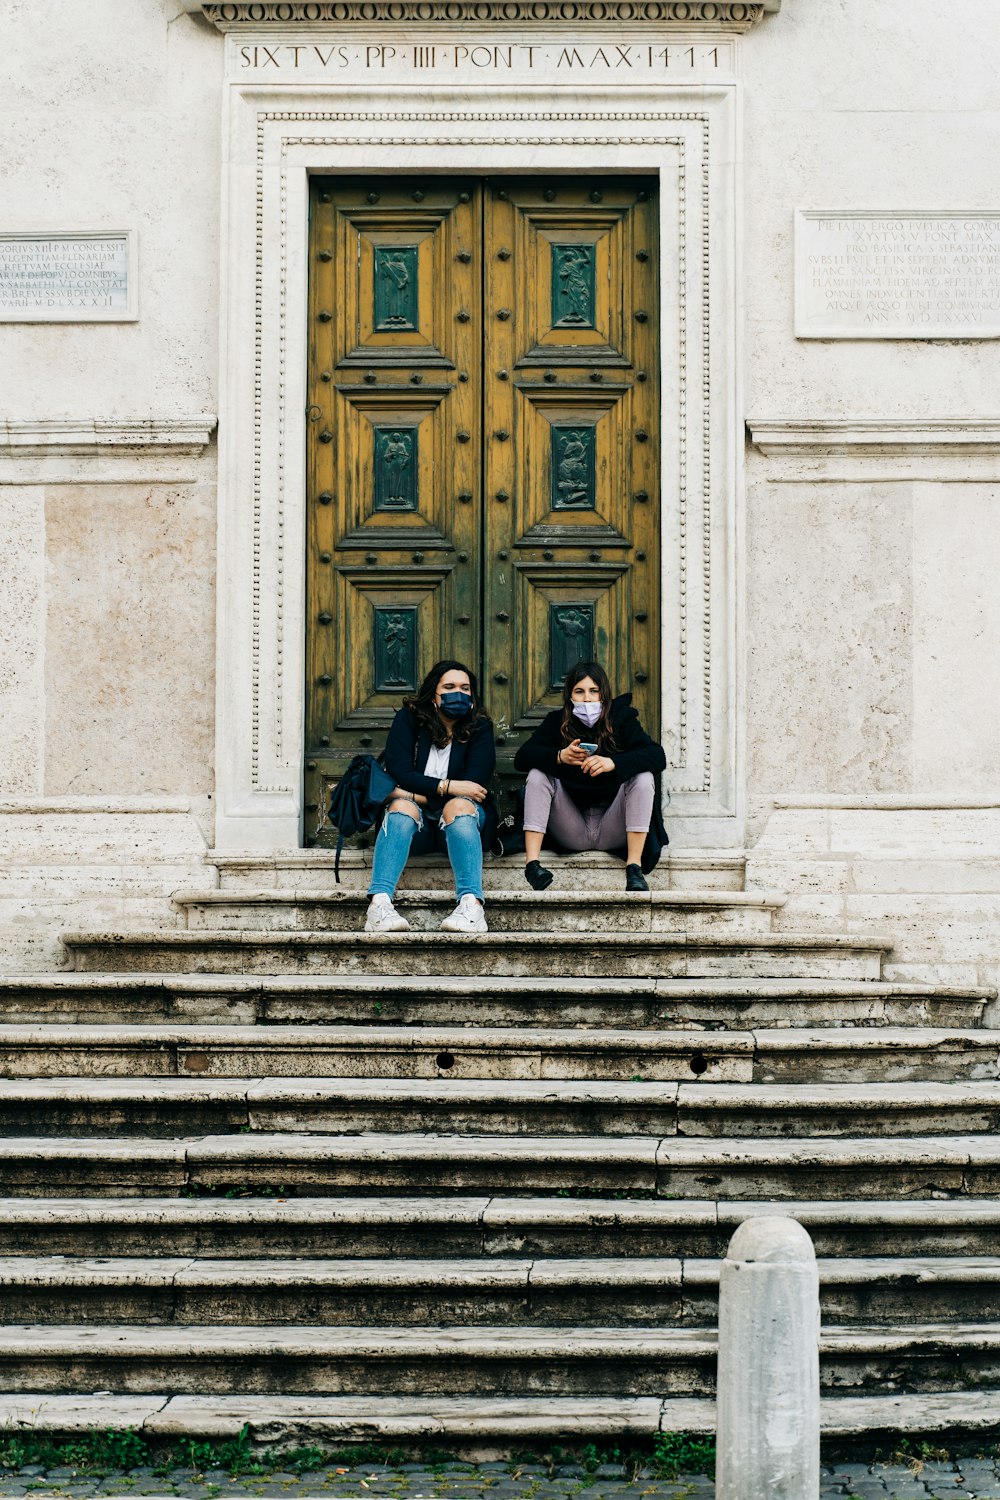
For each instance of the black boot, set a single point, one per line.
(537, 876)
(635, 880)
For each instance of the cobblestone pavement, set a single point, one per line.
(974, 1477)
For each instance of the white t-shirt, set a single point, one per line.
(437, 761)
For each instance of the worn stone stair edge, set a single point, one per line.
(268, 937)
(125, 1341)
(518, 1273)
(278, 1417)
(494, 1212)
(703, 1097)
(201, 1153)
(205, 1037)
(284, 896)
(677, 988)
(319, 858)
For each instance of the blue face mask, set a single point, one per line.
(455, 705)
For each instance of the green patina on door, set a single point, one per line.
(483, 449)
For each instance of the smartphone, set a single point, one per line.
(590, 749)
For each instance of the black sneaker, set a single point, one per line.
(537, 876)
(635, 880)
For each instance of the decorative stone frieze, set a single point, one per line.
(736, 15)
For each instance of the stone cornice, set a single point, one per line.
(877, 437)
(683, 15)
(92, 437)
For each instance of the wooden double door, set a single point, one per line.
(483, 448)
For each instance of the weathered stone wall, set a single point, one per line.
(865, 566)
(107, 531)
(871, 685)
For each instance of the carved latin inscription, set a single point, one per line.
(468, 57)
(897, 275)
(67, 278)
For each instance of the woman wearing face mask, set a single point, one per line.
(592, 772)
(440, 751)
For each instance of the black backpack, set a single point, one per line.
(358, 799)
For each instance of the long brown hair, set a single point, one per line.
(423, 705)
(573, 728)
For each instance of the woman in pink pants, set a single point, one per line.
(592, 780)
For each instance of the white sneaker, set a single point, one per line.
(383, 917)
(468, 916)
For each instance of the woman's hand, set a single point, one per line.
(572, 754)
(597, 765)
(470, 789)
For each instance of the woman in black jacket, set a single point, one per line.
(592, 779)
(440, 752)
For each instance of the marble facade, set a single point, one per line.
(829, 691)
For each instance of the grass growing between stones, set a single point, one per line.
(95, 1454)
(683, 1453)
(92, 1452)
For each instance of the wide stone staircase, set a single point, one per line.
(262, 1168)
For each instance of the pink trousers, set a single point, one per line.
(549, 808)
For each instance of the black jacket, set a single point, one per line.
(408, 746)
(636, 752)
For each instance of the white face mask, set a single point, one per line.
(588, 712)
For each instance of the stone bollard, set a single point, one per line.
(767, 1442)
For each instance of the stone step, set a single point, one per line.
(468, 1425)
(134, 998)
(479, 1226)
(477, 1106)
(313, 869)
(573, 910)
(835, 1054)
(459, 1360)
(501, 1290)
(417, 1360)
(288, 1165)
(516, 954)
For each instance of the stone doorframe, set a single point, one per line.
(274, 137)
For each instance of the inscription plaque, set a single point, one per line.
(897, 275)
(68, 278)
(468, 56)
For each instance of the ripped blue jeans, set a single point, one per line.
(400, 836)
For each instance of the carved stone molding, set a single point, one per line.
(730, 15)
(289, 131)
(880, 436)
(93, 437)
(90, 450)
